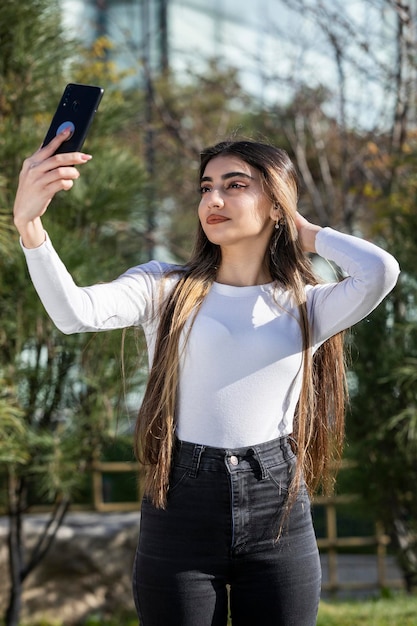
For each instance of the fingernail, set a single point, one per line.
(86, 157)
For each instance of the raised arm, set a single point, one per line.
(371, 273)
(123, 302)
(43, 174)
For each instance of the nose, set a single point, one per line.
(215, 199)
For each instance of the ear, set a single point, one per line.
(276, 212)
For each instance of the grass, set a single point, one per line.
(400, 610)
(397, 610)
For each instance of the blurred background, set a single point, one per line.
(332, 82)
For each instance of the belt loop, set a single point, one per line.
(286, 448)
(257, 455)
(195, 461)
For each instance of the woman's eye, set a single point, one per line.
(204, 190)
(237, 186)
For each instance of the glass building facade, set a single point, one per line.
(276, 46)
(243, 34)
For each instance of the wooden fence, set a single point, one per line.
(331, 545)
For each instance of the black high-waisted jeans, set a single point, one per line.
(219, 534)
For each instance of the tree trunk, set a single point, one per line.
(15, 552)
(407, 551)
(20, 567)
(15, 605)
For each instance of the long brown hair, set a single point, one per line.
(319, 420)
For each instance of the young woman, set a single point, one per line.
(243, 409)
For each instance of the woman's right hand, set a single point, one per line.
(42, 175)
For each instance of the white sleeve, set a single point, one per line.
(126, 301)
(371, 274)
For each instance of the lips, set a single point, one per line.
(216, 219)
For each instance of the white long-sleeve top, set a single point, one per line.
(240, 374)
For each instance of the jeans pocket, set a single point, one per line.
(282, 475)
(177, 478)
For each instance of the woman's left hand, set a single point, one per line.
(306, 233)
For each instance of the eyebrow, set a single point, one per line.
(227, 175)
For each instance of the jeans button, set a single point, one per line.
(234, 460)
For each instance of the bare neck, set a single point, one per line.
(242, 269)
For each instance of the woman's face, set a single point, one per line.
(234, 209)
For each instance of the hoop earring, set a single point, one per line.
(277, 224)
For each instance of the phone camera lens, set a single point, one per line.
(75, 105)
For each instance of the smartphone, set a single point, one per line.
(76, 109)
